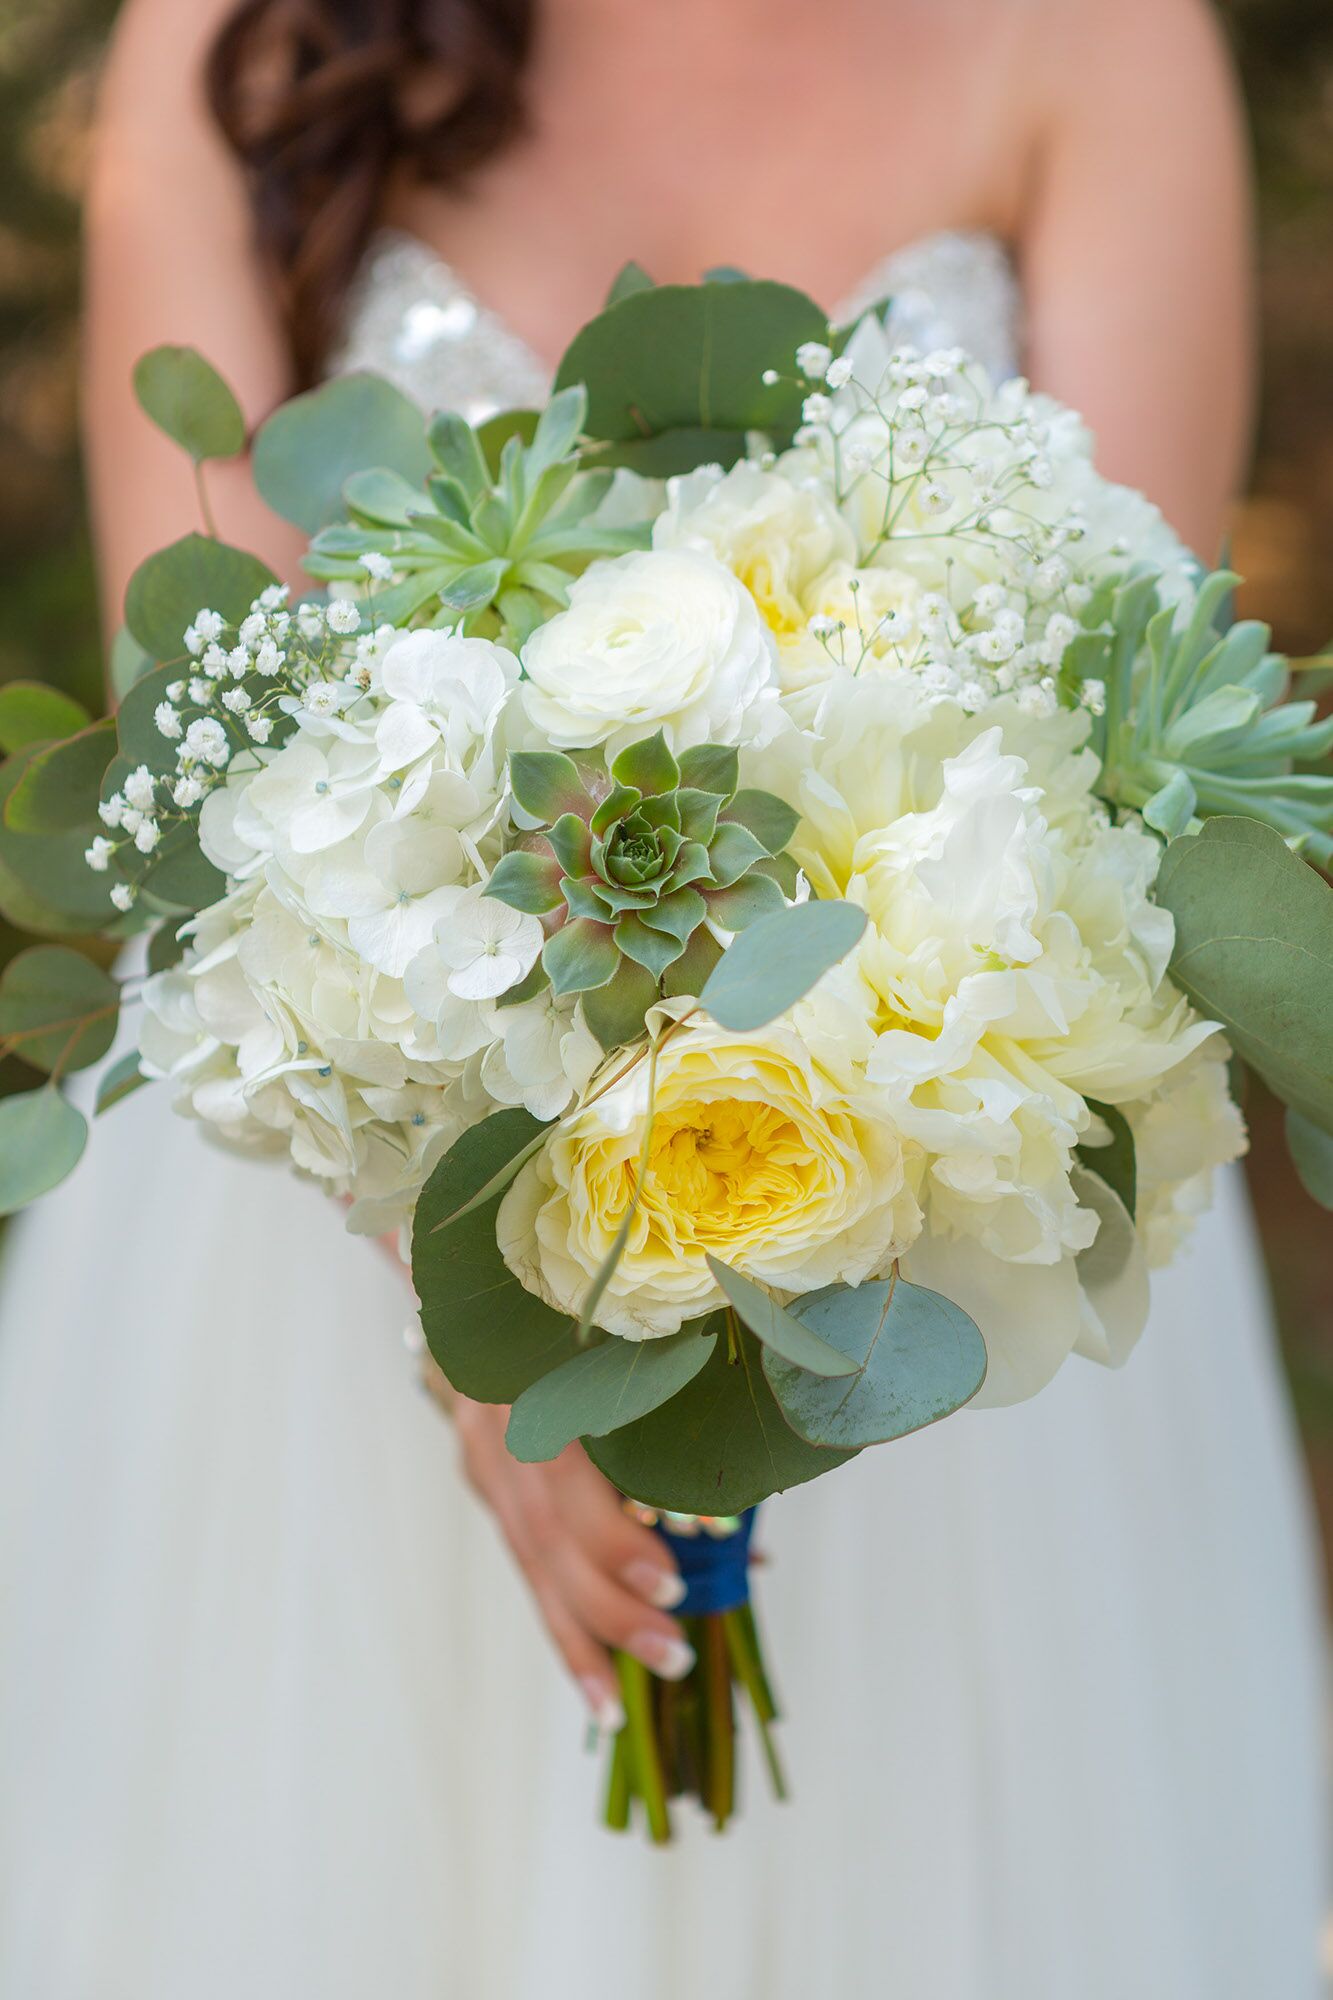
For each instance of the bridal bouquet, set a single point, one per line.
(766, 868)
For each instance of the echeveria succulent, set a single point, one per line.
(1195, 723)
(628, 866)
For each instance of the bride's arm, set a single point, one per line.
(169, 260)
(1136, 250)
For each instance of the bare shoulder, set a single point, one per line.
(1153, 53)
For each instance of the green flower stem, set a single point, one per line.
(637, 1696)
(721, 1794)
(748, 1668)
(618, 1790)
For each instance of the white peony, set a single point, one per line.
(661, 639)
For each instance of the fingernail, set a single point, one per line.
(662, 1587)
(606, 1710)
(669, 1657)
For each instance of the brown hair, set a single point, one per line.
(317, 98)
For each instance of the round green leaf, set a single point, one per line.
(57, 1009)
(128, 662)
(119, 1082)
(601, 1388)
(45, 883)
(1254, 950)
(1311, 1149)
(308, 449)
(691, 358)
(42, 1138)
(60, 783)
(187, 398)
(776, 1328)
(33, 713)
(196, 573)
(918, 1358)
(1116, 1164)
(718, 1447)
(774, 963)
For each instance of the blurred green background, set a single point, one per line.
(49, 51)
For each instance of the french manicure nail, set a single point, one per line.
(662, 1587)
(669, 1657)
(606, 1710)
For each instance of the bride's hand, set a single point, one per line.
(600, 1578)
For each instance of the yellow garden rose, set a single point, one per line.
(760, 1154)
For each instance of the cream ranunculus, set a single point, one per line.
(662, 639)
(771, 1160)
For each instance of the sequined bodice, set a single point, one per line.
(413, 319)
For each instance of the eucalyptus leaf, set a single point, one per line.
(119, 1082)
(775, 962)
(682, 358)
(187, 398)
(719, 1446)
(42, 1138)
(483, 1161)
(602, 1388)
(778, 1329)
(128, 663)
(307, 451)
(917, 1356)
(1311, 1149)
(58, 1010)
(45, 883)
(61, 782)
(1116, 1163)
(32, 713)
(1254, 950)
(491, 1336)
(630, 278)
(196, 573)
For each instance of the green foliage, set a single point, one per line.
(1311, 1150)
(718, 1447)
(491, 1337)
(918, 1357)
(1115, 1161)
(119, 1082)
(32, 713)
(782, 1332)
(60, 783)
(674, 373)
(308, 450)
(42, 1138)
(632, 863)
(602, 1388)
(46, 886)
(1195, 724)
(1254, 950)
(491, 543)
(58, 1010)
(776, 962)
(170, 588)
(186, 397)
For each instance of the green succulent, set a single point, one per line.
(627, 865)
(1195, 723)
(502, 527)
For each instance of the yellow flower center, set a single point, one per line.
(778, 607)
(721, 1168)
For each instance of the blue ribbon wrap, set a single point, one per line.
(715, 1569)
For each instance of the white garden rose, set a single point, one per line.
(760, 1154)
(661, 639)
(1188, 1128)
(775, 536)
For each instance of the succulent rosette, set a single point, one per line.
(636, 870)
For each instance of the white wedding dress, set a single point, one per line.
(277, 1719)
